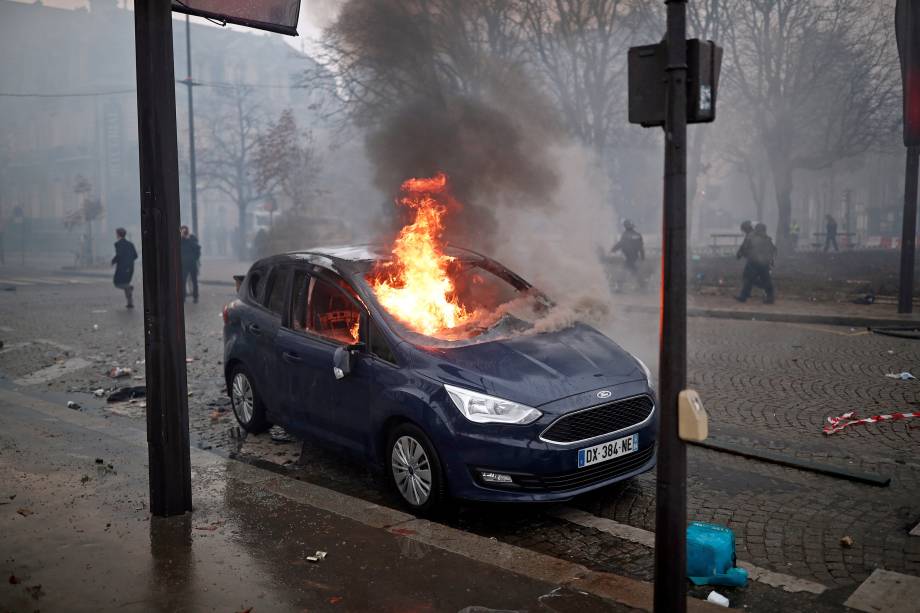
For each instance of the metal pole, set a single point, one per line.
(671, 495)
(191, 126)
(164, 323)
(909, 232)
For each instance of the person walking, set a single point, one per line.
(633, 249)
(191, 257)
(830, 225)
(760, 252)
(747, 274)
(125, 254)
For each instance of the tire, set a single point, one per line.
(246, 402)
(414, 470)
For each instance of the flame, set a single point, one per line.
(414, 286)
(354, 331)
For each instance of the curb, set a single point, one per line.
(99, 275)
(851, 321)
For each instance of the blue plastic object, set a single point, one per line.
(711, 556)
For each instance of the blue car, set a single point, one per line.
(511, 408)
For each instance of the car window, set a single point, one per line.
(378, 343)
(301, 288)
(332, 314)
(255, 284)
(276, 286)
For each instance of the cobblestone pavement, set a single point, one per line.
(766, 385)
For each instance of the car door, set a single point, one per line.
(261, 326)
(324, 317)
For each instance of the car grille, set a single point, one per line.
(583, 477)
(598, 421)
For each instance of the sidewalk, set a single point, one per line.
(784, 310)
(77, 536)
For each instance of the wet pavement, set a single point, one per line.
(767, 386)
(78, 537)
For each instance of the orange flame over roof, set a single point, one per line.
(414, 286)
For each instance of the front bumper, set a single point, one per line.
(540, 471)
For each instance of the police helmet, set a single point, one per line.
(629, 225)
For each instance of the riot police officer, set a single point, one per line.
(633, 249)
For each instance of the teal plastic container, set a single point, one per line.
(711, 556)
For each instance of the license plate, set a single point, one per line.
(608, 451)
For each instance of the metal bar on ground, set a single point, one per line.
(671, 492)
(164, 317)
(793, 462)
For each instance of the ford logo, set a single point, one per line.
(604, 394)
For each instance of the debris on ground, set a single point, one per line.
(846, 541)
(100, 461)
(717, 598)
(14, 580)
(35, 591)
(117, 372)
(127, 393)
(24, 512)
(279, 435)
(836, 424)
(73, 405)
(711, 556)
(903, 376)
(99, 393)
(85, 479)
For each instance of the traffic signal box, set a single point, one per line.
(648, 82)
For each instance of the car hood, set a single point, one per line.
(533, 369)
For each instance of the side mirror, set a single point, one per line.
(343, 359)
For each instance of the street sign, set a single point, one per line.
(907, 31)
(272, 15)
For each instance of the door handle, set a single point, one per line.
(291, 357)
(254, 329)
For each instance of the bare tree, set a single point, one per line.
(227, 164)
(395, 52)
(286, 162)
(579, 49)
(818, 79)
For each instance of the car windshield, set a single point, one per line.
(496, 304)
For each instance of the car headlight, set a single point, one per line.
(648, 373)
(484, 409)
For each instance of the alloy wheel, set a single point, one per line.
(411, 470)
(243, 402)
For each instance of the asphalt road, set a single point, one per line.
(767, 386)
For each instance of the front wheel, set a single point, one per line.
(415, 469)
(247, 405)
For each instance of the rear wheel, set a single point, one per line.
(415, 469)
(247, 405)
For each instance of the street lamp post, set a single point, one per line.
(191, 126)
(164, 316)
(671, 487)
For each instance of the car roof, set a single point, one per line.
(355, 258)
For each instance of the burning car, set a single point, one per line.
(431, 363)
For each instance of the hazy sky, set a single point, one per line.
(314, 15)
